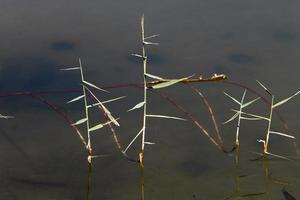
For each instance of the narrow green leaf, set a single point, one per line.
(152, 36)
(282, 134)
(168, 83)
(252, 115)
(96, 127)
(100, 125)
(137, 55)
(285, 100)
(154, 76)
(165, 116)
(70, 69)
(151, 43)
(149, 143)
(278, 156)
(76, 99)
(251, 118)
(279, 181)
(137, 106)
(101, 106)
(232, 98)
(264, 87)
(107, 101)
(112, 100)
(232, 118)
(5, 116)
(253, 194)
(132, 141)
(80, 121)
(94, 86)
(250, 102)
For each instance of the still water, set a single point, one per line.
(42, 158)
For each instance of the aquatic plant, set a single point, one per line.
(238, 114)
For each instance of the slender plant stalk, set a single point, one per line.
(89, 146)
(269, 126)
(237, 139)
(141, 155)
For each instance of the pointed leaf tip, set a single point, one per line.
(76, 99)
(264, 87)
(81, 121)
(169, 83)
(285, 100)
(137, 106)
(94, 86)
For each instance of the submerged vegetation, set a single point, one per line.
(152, 84)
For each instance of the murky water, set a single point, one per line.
(42, 157)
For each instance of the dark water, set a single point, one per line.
(42, 158)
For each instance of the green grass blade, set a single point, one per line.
(252, 115)
(154, 76)
(132, 141)
(152, 36)
(251, 118)
(137, 55)
(250, 102)
(6, 117)
(264, 87)
(107, 101)
(166, 117)
(70, 69)
(81, 121)
(253, 194)
(101, 106)
(100, 126)
(94, 86)
(114, 99)
(76, 99)
(232, 118)
(169, 83)
(96, 127)
(151, 43)
(137, 106)
(285, 100)
(232, 98)
(282, 134)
